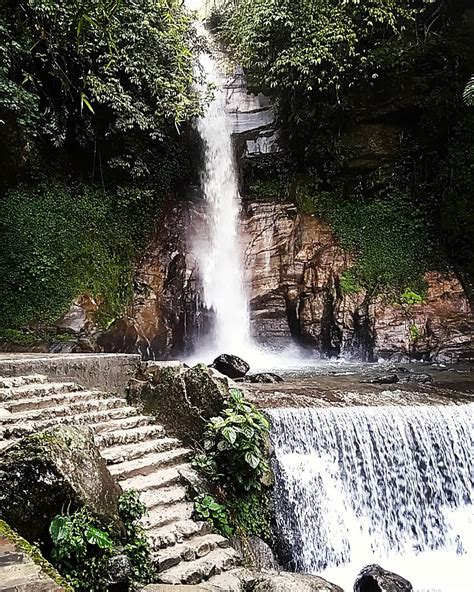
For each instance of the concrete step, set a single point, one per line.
(29, 425)
(176, 533)
(45, 401)
(163, 496)
(23, 577)
(36, 390)
(130, 434)
(108, 428)
(190, 550)
(7, 382)
(163, 515)
(129, 452)
(194, 572)
(160, 478)
(149, 464)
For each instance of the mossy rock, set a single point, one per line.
(16, 551)
(182, 399)
(51, 472)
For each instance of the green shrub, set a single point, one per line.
(57, 242)
(410, 298)
(389, 238)
(83, 547)
(349, 284)
(234, 460)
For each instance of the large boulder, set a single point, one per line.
(256, 553)
(231, 366)
(374, 578)
(182, 399)
(50, 472)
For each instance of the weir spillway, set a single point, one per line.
(390, 484)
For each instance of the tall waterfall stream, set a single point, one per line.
(389, 485)
(219, 256)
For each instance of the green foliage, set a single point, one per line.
(208, 509)
(313, 47)
(349, 283)
(269, 176)
(28, 337)
(236, 441)
(410, 298)
(137, 548)
(414, 333)
(81, 550)
(57, 242)
(234, 459)
(250, 514)
(389, 239)
(83, 547)
(132, 62)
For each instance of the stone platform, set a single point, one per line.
(110, 372)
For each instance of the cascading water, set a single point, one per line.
(389, 485)
(219, 256)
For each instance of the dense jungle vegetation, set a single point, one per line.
(378, 138)
(96, 103)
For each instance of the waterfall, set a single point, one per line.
(219, 254)
(389, 485)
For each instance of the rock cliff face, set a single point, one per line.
(294, 267)
(166, 314)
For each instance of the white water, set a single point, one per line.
(219, 255)
(388, 485)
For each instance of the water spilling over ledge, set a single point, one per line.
(389, 484)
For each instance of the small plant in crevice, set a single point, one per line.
(131, 510)
(234, 461)
(208, 509)
(83, 546)
(414, 333)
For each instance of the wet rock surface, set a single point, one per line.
(418, 378)
(374, 578)
(327, 384)
(295, 265)
(382, 379)
(263, 378)
(231, 366)
(43, 474)
(256, 553)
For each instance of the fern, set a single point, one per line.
(469, 93)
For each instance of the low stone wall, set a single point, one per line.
(110, 372)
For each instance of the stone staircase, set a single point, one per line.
(139, 454)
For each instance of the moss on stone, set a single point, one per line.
(34, 554)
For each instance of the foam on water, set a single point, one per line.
(389, 485)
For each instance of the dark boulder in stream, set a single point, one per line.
(381, 379)
(231, 366)
(263, 378)
(417, 378)
(374, 578)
